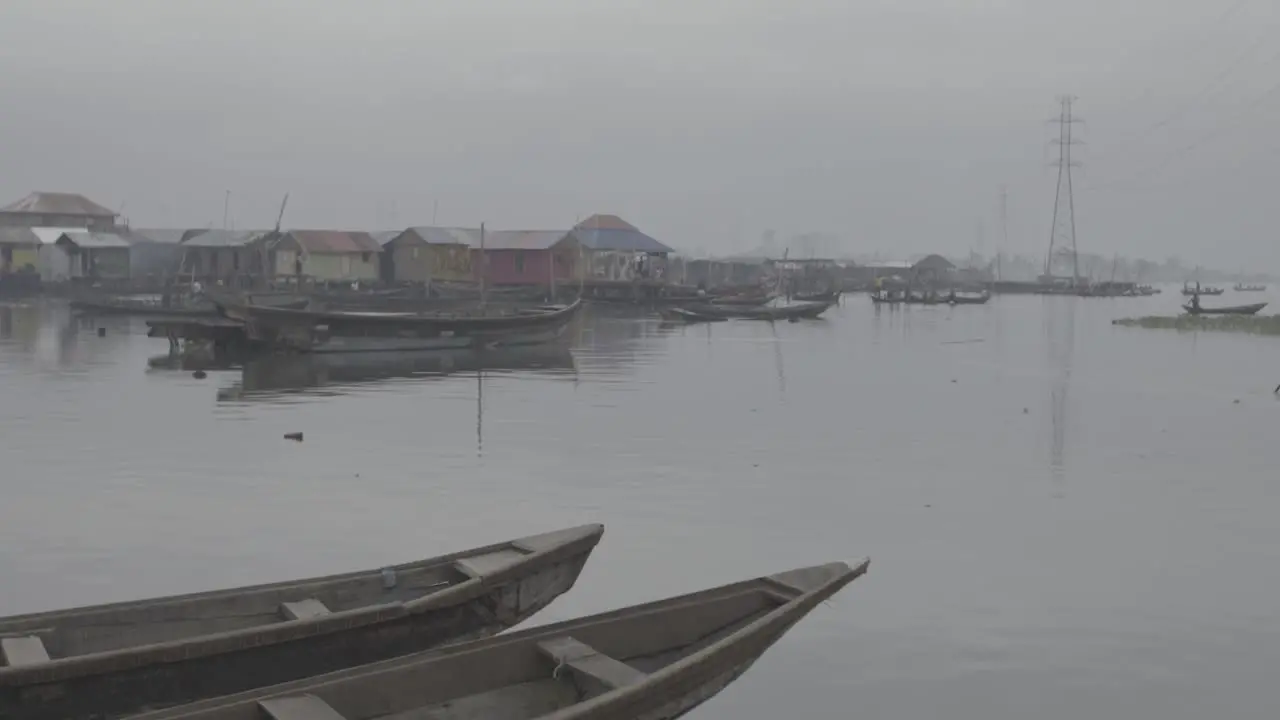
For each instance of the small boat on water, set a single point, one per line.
(648, 662)
(905, 299)
(1232, 310)
(1240, 287)
(830, 296)
(688, 317)
(964, 299)
(1197, 290)
(794, 311)
(741, 300)
(354, 331)
(109, 661)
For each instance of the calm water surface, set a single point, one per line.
(1066, 519)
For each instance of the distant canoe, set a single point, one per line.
(1250, 288)
(681, 315)
(108, 661)
(648, 662)
(1233, 310)
(831, 296)
(795, 311)
(1189, 291)
(909, 300)
(969, 299)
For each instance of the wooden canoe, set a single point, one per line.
(681, 315)
(648, 662)
(1232, 310)
(113, 660)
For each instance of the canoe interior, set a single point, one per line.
(89, 630)
(540, 672)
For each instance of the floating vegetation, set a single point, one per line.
(1256, 324)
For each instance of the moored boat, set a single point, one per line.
(648, 662)
(109, 661)
(829, 296)
(794, 311)
(342, 331)
(1232, 310)
(1241, 287)
(681, 315)
(1197, 290)
(961, 299)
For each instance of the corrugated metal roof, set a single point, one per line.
(619, 240)
(95, 240)
(161, 236)
(605, 222)
(335, 241)
(383, 237)
(447, 235)
(50, 235)
(18, 236)
(56, 203)
(223, 238)
(521, 239)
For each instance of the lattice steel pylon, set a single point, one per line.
(1063, 232)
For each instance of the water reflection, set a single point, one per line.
(1060, 330)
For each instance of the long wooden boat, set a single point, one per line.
(1241, 287)
(689, 317)
(648, 662)
(1189, 291)
(743, 300)
(109, 661)
(198, 309)
(795, 311)
(321, 331)
(1233, 310)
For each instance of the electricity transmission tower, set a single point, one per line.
(1063, 233)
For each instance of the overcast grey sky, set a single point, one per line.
(889, 123)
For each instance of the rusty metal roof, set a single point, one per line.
(335, 241)
(18, 236)
(161, 236)
(610, 232)
(94, 240)
(385, 236)
(55, 203)
(521, 239)
(604, 222)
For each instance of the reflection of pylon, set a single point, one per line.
(1063, 231)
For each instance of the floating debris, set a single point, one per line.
(199, 375)
(1256, 324)
(102, 332)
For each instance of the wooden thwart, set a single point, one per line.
(25, 650)
(303, 609)
(479, 566)
(299, 707)
(585, 660)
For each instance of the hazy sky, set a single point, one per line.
(890, 124)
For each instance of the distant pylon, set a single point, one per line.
(1063, 231)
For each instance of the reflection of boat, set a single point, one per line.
(1233, 310)
(276, 373)
(324, 332)
(654, 661)
(795, 311)
(114, 660)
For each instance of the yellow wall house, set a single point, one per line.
(424, 254)
(19, 248)
(328, 255)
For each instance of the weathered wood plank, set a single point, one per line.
(25, 650)
(586, 660)
(303, 609)
(299, 707)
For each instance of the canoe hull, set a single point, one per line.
(140, 680)
(1236, 310)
